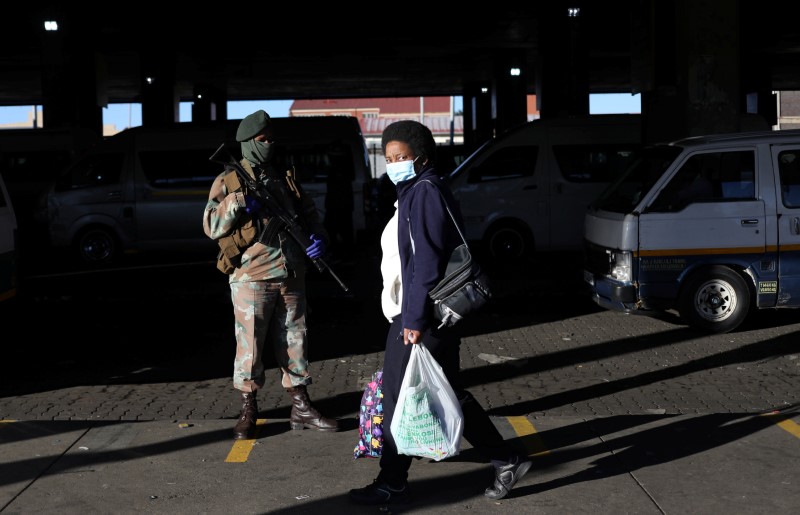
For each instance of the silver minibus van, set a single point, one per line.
(145, 188)
(708, 226)
(526, 190)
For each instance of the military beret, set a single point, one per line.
(252, 125)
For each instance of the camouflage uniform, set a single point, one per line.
(268, 287)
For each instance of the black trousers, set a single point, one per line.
(444, 344)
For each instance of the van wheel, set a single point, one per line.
(715, 299)
(96, 246)
(509, 242)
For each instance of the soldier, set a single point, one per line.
(267, 275)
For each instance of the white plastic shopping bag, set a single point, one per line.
(427, 421)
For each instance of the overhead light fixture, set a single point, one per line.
(484, 90)
(573, 12)
(50, 25)
(149, 80)
(515, 72)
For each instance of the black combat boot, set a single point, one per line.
(246, 427)
(305, 415)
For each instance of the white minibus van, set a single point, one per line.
(526, 190)
(708, 225)
(145, 188)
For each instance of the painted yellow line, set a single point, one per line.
(791, 426)
(7, 421)
(241, 448)
(787, 424)
(533, 443)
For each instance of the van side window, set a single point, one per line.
(33, 165)
(594, 163)
(313, 165)
(179, 169)
(737, 176)
(710, 177)
(789, 168)
(506, 163)
(93, 170)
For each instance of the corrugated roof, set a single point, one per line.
(387, 105)
(436, 112)
(439, 125)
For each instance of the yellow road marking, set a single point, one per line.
(533, 442)
(241, 448)
(7, 421)
(787, 424)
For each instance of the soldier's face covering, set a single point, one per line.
(258, 152)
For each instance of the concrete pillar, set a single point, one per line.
(73, 78)
(760, 102)
(509, 91)
(478, 123)
(160, 102)
(692, 86)
(210, 103)
(562, 78)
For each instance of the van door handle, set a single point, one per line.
(114, 195)
(751, 221)
(795, 225)
(530, 187)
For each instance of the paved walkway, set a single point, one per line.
(129, 408)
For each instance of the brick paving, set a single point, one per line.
(540, 350)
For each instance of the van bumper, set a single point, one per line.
(612, 294)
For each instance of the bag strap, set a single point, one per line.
(453, 218)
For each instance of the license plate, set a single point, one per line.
(588, 277)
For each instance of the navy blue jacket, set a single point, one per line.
(423, 219)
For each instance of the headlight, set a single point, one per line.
(619, 265)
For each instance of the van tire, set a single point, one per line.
(96, 246)
(715, 299)
(508, 242)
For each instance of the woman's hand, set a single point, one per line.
(411, 336)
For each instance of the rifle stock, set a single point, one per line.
(293, 227)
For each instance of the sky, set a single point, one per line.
(130, 115)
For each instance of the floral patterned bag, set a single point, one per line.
(370, 420)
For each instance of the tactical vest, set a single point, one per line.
(232, 247)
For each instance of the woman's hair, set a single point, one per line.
(413, 134)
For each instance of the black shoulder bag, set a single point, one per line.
(465, 288)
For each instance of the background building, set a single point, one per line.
(374, 114)
(788, 110)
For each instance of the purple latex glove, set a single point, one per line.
(252, 204)
(316, 249)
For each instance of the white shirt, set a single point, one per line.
(392, 294)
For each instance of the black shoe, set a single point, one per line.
(507, 476)
(380, 493)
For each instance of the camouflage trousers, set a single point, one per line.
(272, 311)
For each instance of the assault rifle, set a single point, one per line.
(293, 227)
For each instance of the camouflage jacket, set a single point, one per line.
(279, 257)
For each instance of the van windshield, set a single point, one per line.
(625, 193)
(465, 164)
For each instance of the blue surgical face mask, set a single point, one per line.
(401, 170)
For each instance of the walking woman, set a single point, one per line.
(426, 237)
